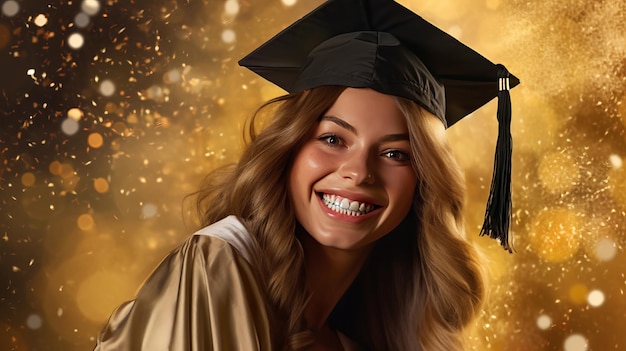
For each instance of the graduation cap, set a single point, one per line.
(380, 44)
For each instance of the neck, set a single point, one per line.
(329, 273)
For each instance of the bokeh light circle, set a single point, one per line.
(107, 88)
(95, 140)
(90, 7)
(575, 342)
(616, 161)
(75, 113)
(555, 234)
(231, 7)
(34, 321)
(101, 185)
(28, 179)
(289, 2)
(578, 293)
(544, 322)
(82, 20)
(229, 36)
(558, 171)
(69, 126)
(85, 222)
(605, 249)
(10, 8)
(40, 20)
(99, 308)
(75, 41)
(595, 298)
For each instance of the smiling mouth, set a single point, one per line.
(346, 206)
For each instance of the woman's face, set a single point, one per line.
(352, 182)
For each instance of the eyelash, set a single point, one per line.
(401, 156)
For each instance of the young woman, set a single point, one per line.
(341, 226)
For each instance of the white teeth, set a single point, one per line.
(345, 206)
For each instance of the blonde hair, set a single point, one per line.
(422, 282)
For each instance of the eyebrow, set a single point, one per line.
(347, 126)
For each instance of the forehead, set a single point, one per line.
(366, 107)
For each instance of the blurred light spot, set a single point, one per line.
(55, 168)
(40, 20)
(595, 298)
(101, 185)
(578, 293)
(616, 161)
(69, 127)
(171, 76)
(34, 322)
(555, 234)
(85, 222)
(90, 7)
(67, 171)
(289, 2)
(75, 41)
(544, 322)
(558, 171)
(30, 72)
(28, 179)
(575, 342)
(149, 210)
(155, 92)
(605, 249)
(231, 7)
(81, 20)
(107, 88)
(96, 305)
(10, 8)
(75, 114)
(5, 35)
(95, 140)
(229, 36)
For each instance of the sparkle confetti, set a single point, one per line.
(112, 112)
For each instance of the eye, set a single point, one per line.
(331, 140)
(397, 155)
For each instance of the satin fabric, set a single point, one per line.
(203, 296)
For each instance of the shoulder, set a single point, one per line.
(229, 230)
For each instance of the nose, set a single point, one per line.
(358, 168)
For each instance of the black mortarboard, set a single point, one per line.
(382, 45)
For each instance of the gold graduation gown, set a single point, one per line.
(203, 296)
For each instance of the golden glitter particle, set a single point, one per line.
(28, 179)
(559, 172)
(95, 140)
(101, 185)
(75, 113)
(85, 222)
(554, 234)
(289, 2)
(55, 168)
(578, 293)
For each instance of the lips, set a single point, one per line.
(346, 206)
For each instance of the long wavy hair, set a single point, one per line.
(422, 282)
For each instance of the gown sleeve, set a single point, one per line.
(203, 296)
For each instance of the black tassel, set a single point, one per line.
(498, 213)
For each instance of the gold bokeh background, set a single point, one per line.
(112, 112)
